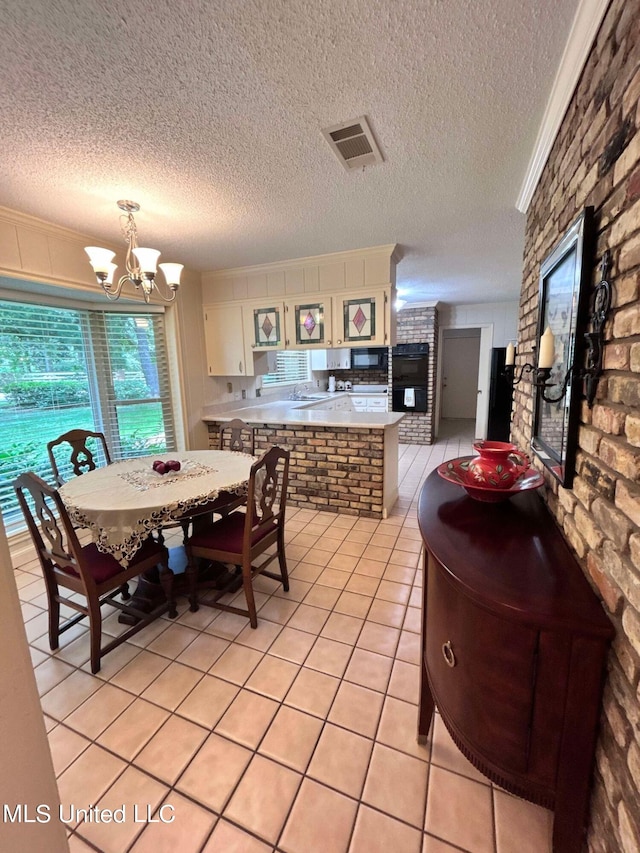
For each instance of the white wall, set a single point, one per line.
(27, 770)
(503, 315)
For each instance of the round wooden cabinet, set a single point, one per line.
(514, 648)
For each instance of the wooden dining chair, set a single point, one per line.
(83, 569)
(240, 437)
(237, 435)
(80, 456)
(240, 537)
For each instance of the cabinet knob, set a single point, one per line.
(339, 342)
(447, 652)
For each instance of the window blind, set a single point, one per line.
(291, 366)
(70, 368)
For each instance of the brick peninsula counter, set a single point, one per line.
(341, 461)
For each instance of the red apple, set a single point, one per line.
(160, 468)
(173, 465)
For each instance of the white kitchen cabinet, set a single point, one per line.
(359, 404)
(331, 359)
(344, 404)
(363, 319)
(364, 403)
(264, 325)
(377, 404)
(308, 323)
(224, 340)
(226, 343)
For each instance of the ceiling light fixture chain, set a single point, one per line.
(140, 263)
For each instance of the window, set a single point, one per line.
(291, 366)
(68, 368)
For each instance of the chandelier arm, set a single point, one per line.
(112, 292)
(159, 292)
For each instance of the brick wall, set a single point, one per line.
(596, 161)
(361, 377)
(420, 325)
(331, 469)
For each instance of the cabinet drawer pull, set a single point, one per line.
(448, 654)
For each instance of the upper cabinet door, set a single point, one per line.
(362, 319)
(224, 341)
(308, 323)
(265, 326)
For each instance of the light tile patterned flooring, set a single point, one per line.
(299, 736)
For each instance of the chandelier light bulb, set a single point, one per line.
(111, 268)
(100, 259)
(148, 260)
(172, 274)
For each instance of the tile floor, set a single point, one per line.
(299, 736)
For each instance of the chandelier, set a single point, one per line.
(141, 263)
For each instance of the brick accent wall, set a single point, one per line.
(596, 161)
(419, 325)
(331, 469)
(361, 377)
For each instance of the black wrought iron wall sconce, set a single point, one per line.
(594, 342)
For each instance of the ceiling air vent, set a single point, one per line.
(353, 144)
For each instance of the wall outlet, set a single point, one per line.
(229, 388)
(258, 392)
(244, 394)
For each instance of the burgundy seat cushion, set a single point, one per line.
(103, 567)
(226, 534)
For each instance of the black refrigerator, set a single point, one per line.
(500, 398)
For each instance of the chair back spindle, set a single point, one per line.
(239, 436)
(81, 458)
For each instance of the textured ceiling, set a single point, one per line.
(208, 114)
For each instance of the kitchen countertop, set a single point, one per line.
(303, 412)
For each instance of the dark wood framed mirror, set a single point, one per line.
(565, 277)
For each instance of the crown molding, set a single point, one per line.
(51, 229)
(584, 29)
(391, 249)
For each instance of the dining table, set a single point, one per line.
(124, 502)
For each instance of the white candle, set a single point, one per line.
(547, 352)
(510, 358)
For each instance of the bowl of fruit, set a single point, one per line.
(162, 467)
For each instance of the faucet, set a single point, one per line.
(297, 394)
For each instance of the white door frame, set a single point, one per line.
(484, 374)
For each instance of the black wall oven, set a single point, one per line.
(409, 371)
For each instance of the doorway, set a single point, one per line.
(465, 367)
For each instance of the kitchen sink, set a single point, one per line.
(310, 397)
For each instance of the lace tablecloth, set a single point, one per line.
(123, 502)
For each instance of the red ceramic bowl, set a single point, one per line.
(456, 471)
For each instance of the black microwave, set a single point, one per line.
(370, 358)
